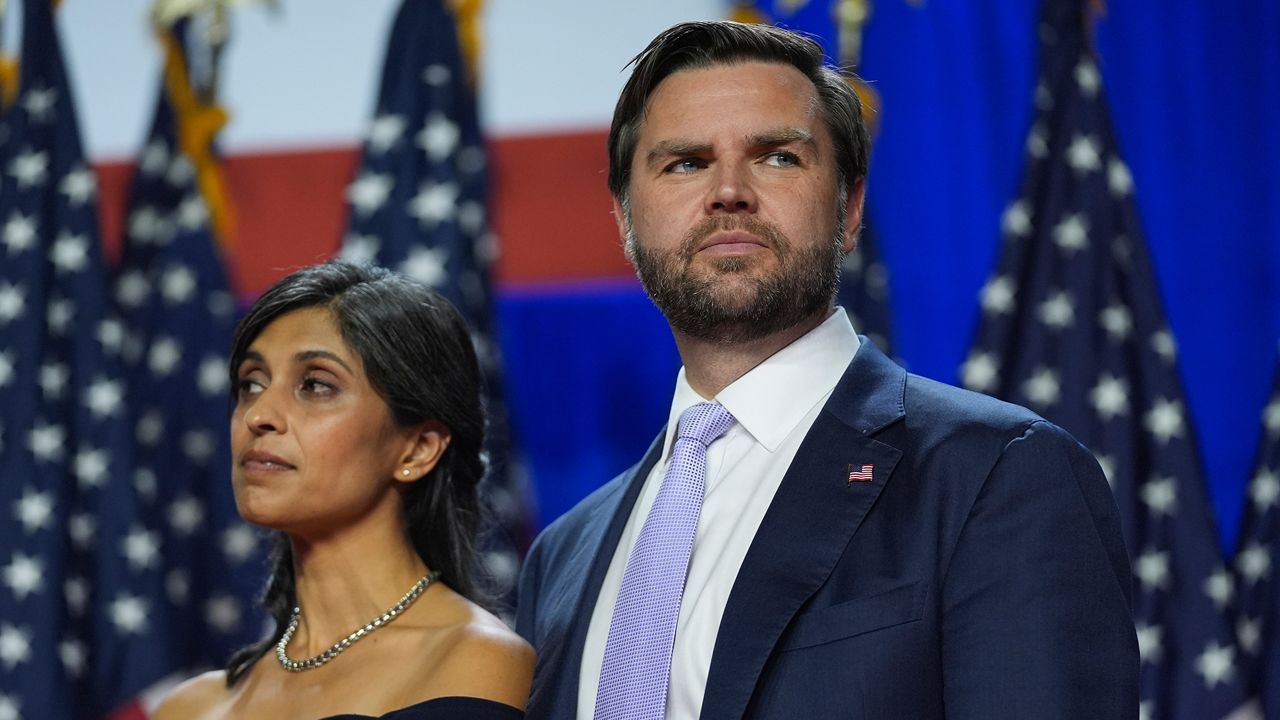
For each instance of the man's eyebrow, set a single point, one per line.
(782, 136)
(675, 148)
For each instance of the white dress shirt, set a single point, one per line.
(774, 404)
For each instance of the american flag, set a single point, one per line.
(1072, 326)
(172, 295)
(418, 205)
(864, 278)
(862, 474)
(78, 577)
(1258, 618)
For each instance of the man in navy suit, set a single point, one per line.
(869, 543)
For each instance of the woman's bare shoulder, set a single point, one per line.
(486, 659)
(193, 698)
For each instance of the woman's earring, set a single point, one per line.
(405, 472)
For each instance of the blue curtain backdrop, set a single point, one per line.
(1194, 89)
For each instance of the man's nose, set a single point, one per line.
(732, 190)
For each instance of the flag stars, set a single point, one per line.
(1249, 634)
(1163, 344)
(155, 158)
(1254, 563)
(15, 645)
(1043, 389)
(12, 303)
(19, 233)
(74, 657)
(437, 75)
(198, 446)
(1083, 155)
(1117, 321)
(222, 612)
(369, 193)
(46, 440)
(132, 289)
(1152, 570)
(1160, 495)
(177, 586)
(1037, 143)
(439, 137)
(434, 203)
(81, 527)
(385, 132)
(192, 213)
(980, 372)
(76, 591)
(129, 614)
(40, 103)
(79, 186)
(1072, 233)
(70, 253)
(211, 376)
(30, 168)
(10, 707)
(6, 368)
(1271, 416)
(1016, 221)
(426, 265)
(104, 398)
(1150, 643)
(24, 575)
(1164, 420)
(141, 548)
(1264, 491)
(91, 468)
(1119, 179)
(1058, 312)
(360, 249)
(998, 295)
(164, 356)
(1087, 78)
(1221, 588)
(150, 428)
(59, 314)
(186, 514)
(178, 284)
(239, 543)
(1216, 664)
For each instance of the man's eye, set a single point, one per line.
(781, 158)
(685, 166)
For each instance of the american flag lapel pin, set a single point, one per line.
(861, 473)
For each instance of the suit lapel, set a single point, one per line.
(601, 539)
(784, 567)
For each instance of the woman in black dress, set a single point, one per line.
(356, 435)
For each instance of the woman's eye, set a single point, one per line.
(315, 386)
(248, 386)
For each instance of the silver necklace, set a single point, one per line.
(346, 642)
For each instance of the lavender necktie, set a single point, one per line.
(637, 653)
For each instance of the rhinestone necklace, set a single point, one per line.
(346, 642)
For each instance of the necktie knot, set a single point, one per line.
(704, 422)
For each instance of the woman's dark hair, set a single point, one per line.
(703, 44)
(418, 356)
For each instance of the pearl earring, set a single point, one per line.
(405, 472)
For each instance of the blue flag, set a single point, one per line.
(418, 205)
(172, 295)
(1072, 326)
(79, 567)
(1258, 618)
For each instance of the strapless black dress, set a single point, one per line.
(445, 708)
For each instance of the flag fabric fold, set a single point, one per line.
(1258, 616)
(418, 205)
(1072, 326)
(79, 570)
(171, 292)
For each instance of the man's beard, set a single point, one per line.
(700, 303)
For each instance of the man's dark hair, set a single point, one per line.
(418, 356)
(703, 44)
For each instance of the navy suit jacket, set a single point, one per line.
(980, 574)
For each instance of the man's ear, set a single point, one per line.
(425, 445)
(853, 216)
(620, 219)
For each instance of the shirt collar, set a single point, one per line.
(770, 400)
